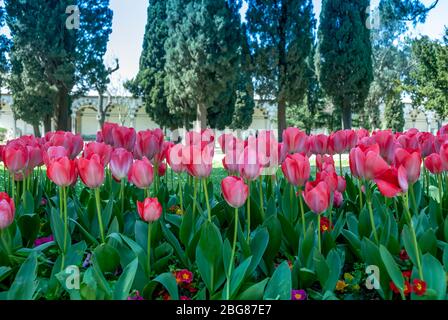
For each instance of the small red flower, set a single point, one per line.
(325, 225)
(407, 274)
(184, 298)
(404, 255)
(184, 276)
(407, 288)
(166, 296)
(419, 287)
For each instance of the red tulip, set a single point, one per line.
(103, 150)
(388, 183)
(282, 152)
(120, 163)
(230, 161)
(296, 169)
(107, 133)
(124, 137)
(250, 167)
(35, 156)
(318, 144)
(361, 134)
(174, 158)
(366, 163)
(62, 171)
(295, 141)
(15, 156)
(148, 143)
(439, 142)
(426, 141)
(386, 141)
(444, 155)
(338, 199)
(141, 173)
(7, 210)
(324, 163)
(162, 169)
(337, 142)
(443, 130)
(227, 141)
(201, 139)
(91, 171)
(73, 143)
(411, 161)
(434, 164)
(317, 196)
(235, 191)
(342, 184)
(330, 178)
(198, 162)
(149, 210)
(161, 155)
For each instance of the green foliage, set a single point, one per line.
(281, 37)
(202, 59)
(393, 112)
(429, 78)
(345, 55)
(55, 62)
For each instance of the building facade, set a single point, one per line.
(130, 112)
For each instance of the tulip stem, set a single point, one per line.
(180, 194)
(318, 234)
(64, 192)
(195, 194)
(98, 210)
(302, 211)
(122, 196)
(360, 195)
(369, 206)
(439, 179)
(61, 203)
(261, 197)
(248, 211)
(414, 202)
(209, 211)
(149, 249)
(229, 273)
(414, 236)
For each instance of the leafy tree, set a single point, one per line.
(202, 59)
(70, 58)
(281, 38)
(4, 49)
(393, 113)
(345, 55)
(429, 78)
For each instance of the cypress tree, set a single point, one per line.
(345, 55)
(202, 59)
(281, 34)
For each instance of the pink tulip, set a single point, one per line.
(197, 161)
(120, 163)
(426, 141)
(141, 173)
(149, 210)
(388, 183)
(235, 191)
(411, 161)
(444, 155)
(107, 133)
(162, 169)
(318, 144)
(7, 210)
(54, 153)
(324, 163)
(434, 164)
(62, 171)
(317, 196)
(342, 184)
(338, 199)
(296, 169)
(124, 137)
(148, 143)
(250, 167)
(295, 141)
(103, 150)
(174, 158)
(91, 171)
(15, 156)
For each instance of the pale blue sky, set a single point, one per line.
(130, 20)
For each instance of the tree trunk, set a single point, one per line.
(346, 116)
(36, 130)
(47, 124)
(201, 117)
(62, 112)
(281, 118)
(101, 111)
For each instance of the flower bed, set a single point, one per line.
(132, 216)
